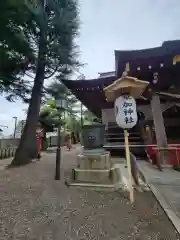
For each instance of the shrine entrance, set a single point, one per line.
(172, 124)
(114, 138)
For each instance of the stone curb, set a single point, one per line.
(175, 220)
(167, 209)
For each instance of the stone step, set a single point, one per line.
(121, 134)
(96, 186)
(121, 141)
(96, 176)
(120, 145)
(122, 138)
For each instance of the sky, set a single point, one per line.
(108, 25)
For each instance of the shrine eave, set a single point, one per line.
(98, 83)
(141, 61)
(90, 92)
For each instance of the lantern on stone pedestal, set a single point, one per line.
(123, 93)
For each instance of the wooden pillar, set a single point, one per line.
(148, 135)
(160, 131)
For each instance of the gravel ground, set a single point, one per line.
(34, 206)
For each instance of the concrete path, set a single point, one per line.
(166, 187)
(35, 206)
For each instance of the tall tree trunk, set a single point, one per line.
(24, 153)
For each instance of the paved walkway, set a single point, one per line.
(34, 206)
(166, 187)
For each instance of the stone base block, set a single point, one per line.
(105, 176)
(102, 161)
(96, 186)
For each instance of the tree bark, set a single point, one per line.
(27, 147)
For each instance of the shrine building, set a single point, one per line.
(158, 107)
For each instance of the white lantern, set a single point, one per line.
(125, 111)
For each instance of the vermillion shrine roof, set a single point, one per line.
(164, 61)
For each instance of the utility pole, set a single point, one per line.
(15, 126)
(60, 105)
(58, 151)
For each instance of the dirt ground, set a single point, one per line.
(35, 206)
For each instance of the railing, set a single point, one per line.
(7, 152)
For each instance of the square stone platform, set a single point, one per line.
(96, 170)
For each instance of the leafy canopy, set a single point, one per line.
(16, 52)
(21, 23)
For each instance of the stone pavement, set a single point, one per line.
(35, 206)
(166, 187)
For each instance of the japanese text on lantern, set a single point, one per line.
(127, 109)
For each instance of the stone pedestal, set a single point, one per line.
(95, 170)
(95, 161)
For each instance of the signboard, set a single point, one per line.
(126, 112)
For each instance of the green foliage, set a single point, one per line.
(58, 22)
(73, 119)
(16, 52)
(73, 124)
(88, 116)
(21, 24)
(49, 116)
(56, 89)
(51, 29)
